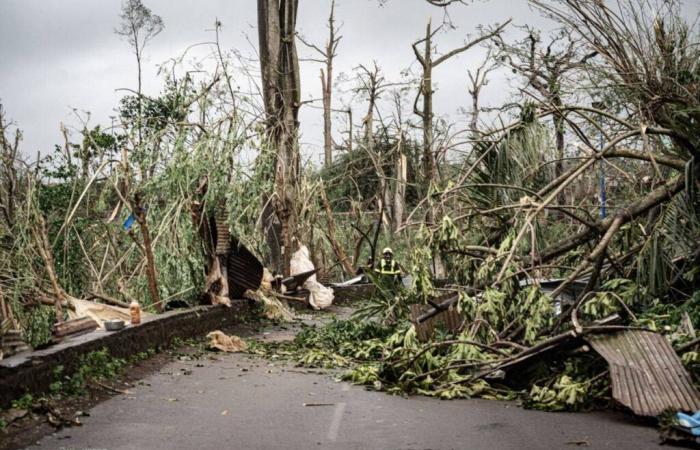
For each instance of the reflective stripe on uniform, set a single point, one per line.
(390, 270)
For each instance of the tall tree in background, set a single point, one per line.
(429, 169)
(477, 80)
(138, 26)
(372, 84)
(426, 90)
(9, 177)
(279, 66)
(546, 69)
(328, 53)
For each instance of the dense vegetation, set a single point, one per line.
(513, 197)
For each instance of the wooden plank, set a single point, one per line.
(74, 326)
(450, 319)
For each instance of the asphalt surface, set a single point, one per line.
(236, 401)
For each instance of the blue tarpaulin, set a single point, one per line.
(129, 222)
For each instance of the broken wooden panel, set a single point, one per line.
(449, 318)
(647, 375)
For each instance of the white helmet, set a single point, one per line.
(387, 250)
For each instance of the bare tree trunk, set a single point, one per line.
(326, 81)
(44, 249)
(369, 123)
(343, 259)
(139, 121)
(477, 81)
(426, 90)
(328, 54)
(350, 130)
(8, 171)
(474, 121)
(400, 190)
(389, 208)
(369, 143)
(559, 136)
(140, 215)
(384, 194)
(327, 84)
(280, 78)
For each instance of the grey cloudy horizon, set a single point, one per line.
(63, 54)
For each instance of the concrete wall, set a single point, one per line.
(33, 371)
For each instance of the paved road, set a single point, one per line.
(240, 402)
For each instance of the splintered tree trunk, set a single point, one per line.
(280, 79)
(388, 209)
(400, 191)
(327, 142)
(427, 116)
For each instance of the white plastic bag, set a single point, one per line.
(320, 296)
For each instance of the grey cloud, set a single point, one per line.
(59, 54)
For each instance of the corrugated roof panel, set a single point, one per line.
(244, 270)
(647, 376)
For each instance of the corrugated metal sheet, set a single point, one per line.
(647, 376)
(223, 237)
(243, 268)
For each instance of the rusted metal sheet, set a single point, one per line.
(647, 375)
(223, 237)
(244, 270)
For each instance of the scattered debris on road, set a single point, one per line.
(230, 344)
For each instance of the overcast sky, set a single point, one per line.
(63, 54)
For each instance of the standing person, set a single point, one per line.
(388, 268)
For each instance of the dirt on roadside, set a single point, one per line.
(48, 416)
